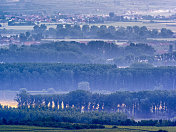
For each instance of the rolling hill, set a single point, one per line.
(87, 6)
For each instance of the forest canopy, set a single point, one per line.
(66, 77)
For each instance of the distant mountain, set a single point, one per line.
(87, 6)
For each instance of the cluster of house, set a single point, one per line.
(64, 18)
(14, 39)
(58, 18)
(6, 40)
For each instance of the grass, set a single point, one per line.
(25, 28)
(5, 128)
(148, 128)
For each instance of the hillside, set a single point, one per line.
(89, 6)
(104, 6)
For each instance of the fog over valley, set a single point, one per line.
(88, 65)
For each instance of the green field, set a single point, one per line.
(108, 129)
(156, 25)
(27, 128)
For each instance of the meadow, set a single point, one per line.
(6, 128)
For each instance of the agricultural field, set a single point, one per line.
(107, 129)
(27, 128)
(155, 25)
(24, 28)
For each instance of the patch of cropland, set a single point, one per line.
(6, 128)
(119, 129)
(88, 6)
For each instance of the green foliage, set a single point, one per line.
(104, 32)
(59, 118)
(73, 52)
(162, 131)
(22, 98)
(65, 77)
(141, 104)
(70, 119)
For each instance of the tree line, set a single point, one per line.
(69, 119)
(72, 119)
(98, 52)
(145, 104)
(94, 32)
(66, 77)
(100, 32)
